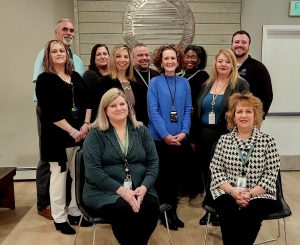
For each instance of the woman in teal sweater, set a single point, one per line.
(121, 166)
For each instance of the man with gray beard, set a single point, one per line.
(64, 32)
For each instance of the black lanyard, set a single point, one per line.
(172, 96)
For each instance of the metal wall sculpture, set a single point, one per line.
(158, 22)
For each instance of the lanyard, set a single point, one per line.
(140, 75)
(188, 78)
(73, 95)
(214, 97)
(245, 160)
(125, 151)
(172, 96)
(124, 148)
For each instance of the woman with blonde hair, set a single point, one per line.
(208, 121)
(121, 166)
(244, 171)
(121, 76)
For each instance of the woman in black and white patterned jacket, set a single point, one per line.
(244, 170)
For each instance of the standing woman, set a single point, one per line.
(64, 125)
(169, 109)
(195, 60)
(121, 76)
(97, 69)
(208, 122)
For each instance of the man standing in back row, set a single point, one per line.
(142, 73)
(64, 32)
(252, 70)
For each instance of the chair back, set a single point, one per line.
(79, 177)
(283, 208)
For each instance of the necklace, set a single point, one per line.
(215, 95)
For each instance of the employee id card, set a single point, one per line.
(127, 183)
(211, 118)
(241, 182)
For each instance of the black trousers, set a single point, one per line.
(42, 172)
(132, 228)
(171, 175)
(241, 226)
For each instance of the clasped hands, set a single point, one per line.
(174, 140)
(242, 196)
(135, 197)
(81, 134)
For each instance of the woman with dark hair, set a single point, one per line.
(65, 118)
(208, 121)
(244, 170)
(169, 110)
(97, 69)
(195, 60)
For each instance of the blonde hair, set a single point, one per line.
(244, 99)
(113, 72)
(102, 120)
(234, 75)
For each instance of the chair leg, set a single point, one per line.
(284, 228)
(94, 234)
(276, 237)
(206, 229)
(168, 230)
(208, 232)
(78, 228)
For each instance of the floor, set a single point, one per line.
(25, 226)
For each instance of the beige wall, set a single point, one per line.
(256, 13)
(26, 25)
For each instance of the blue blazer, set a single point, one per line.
(104, 164)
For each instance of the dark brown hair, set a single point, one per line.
(157, 58)
(47, 61)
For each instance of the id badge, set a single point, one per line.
(241, 182)
(74, 112)
(211, 118)
(127, 183)
(173, 116)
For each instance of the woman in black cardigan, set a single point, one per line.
(65, 119)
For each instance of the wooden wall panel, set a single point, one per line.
(101, 22)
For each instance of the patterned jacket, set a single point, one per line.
(263, 165)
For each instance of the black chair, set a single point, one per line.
(282, 213)
(86, 211)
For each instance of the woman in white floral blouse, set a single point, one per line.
(244, 170)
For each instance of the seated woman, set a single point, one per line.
(244, 170)
(121, 166)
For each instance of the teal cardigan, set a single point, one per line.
(104, 164)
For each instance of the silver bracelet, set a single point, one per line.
(73, 132)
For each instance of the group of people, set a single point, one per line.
(148, 134)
